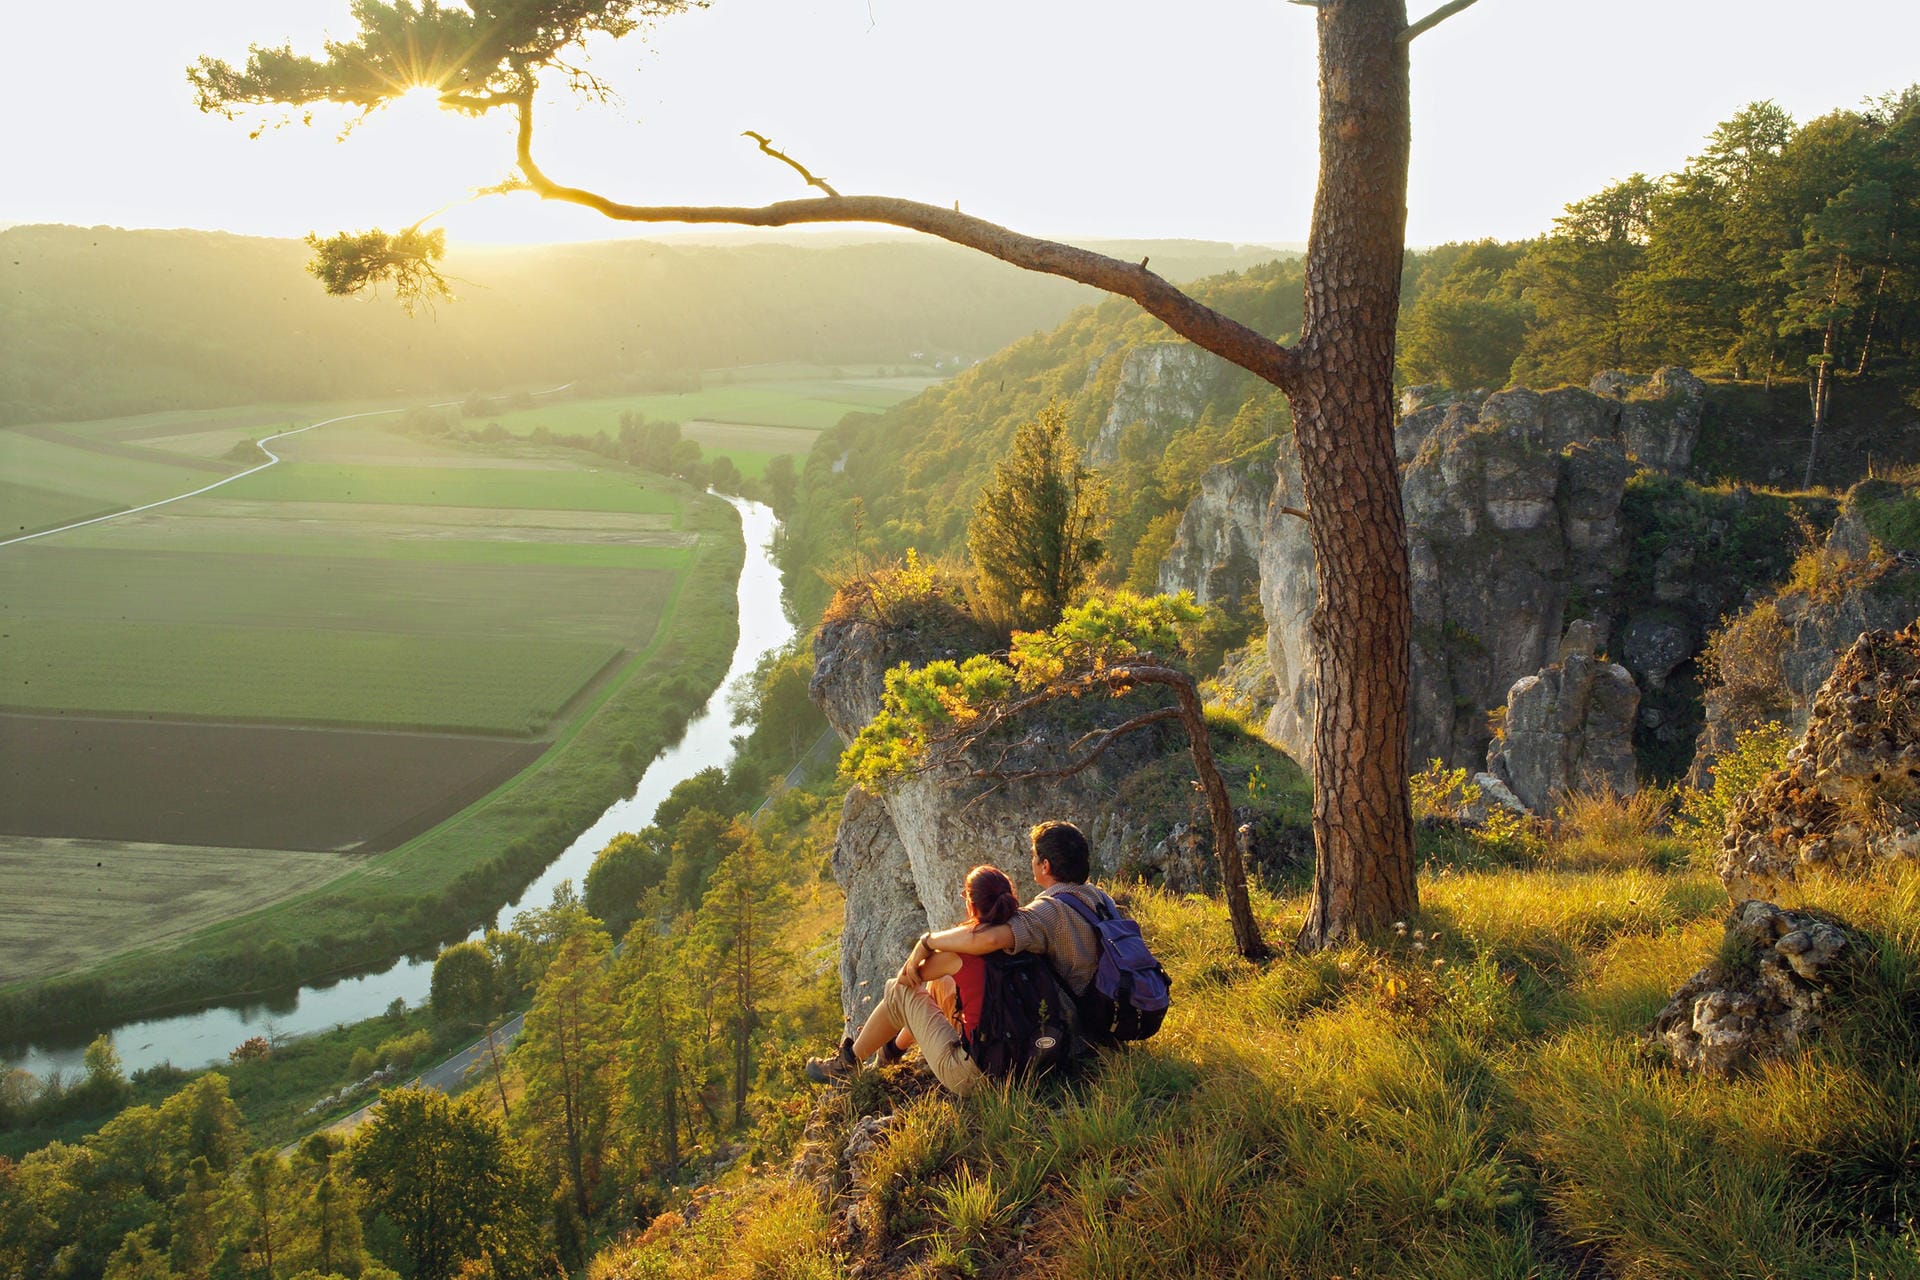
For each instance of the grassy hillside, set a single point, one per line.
(1470, 1099)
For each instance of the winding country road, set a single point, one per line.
(272, 459)
(445, 1078)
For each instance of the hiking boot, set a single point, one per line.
(829, 1070)
(890, 1054)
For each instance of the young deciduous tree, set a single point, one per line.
(1338, 377)
(465, 989)
(443, 1173)
(1034, 534)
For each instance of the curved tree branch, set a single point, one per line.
(952, 746)
(1102, 740)
(1192, 320)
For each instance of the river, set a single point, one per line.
(200, 1039)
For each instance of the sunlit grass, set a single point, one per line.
(1469, 1097)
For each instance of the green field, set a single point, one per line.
(206, 536)
(243, 422)
(307, 596)
(454, 487)
(510, 593)
(476, 683)
(810, 403)
(45, 483)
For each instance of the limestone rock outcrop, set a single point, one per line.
(1216, 551)
(1786, 646)
(1849, 794)
(1513, 524)
(902, 857)
(1765, 1003)
(1568, 729)
(872, 866)
(1163, 385)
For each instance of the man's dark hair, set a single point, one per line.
(1061, 846)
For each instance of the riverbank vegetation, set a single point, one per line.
(635, 1073)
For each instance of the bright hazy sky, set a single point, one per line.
(1058, 117)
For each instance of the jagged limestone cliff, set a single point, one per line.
(1216, 551)
(1513, 523)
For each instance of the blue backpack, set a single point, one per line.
(1128, 997)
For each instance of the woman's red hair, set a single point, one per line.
(990, 899)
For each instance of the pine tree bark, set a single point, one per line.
(1343, 427)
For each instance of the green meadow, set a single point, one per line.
(300, 597)
(810, 403)
(48, 482)
(597, 490)
(484, 684)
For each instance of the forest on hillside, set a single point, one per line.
(1784, 258)
(1780, 250)
(103, 322)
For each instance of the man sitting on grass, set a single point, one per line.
(1060, 863)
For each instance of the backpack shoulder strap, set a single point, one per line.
(1092, 915)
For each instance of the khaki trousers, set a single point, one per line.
(915, 1010)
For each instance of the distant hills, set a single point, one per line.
(102, 321)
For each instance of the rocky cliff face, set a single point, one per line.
(1164, 386)
(1216, 551)
(1849, 795)
(902, 857)
(1568, 729)
(1513, 524)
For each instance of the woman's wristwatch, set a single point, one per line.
(923, 943)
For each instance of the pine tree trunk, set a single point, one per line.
(1343, 427)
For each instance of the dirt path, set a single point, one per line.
(273, 460)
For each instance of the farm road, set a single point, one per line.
(273, 460)
(445, 1078)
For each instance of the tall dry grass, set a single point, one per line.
(1467, 1098)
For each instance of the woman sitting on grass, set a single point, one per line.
(940, 1006)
